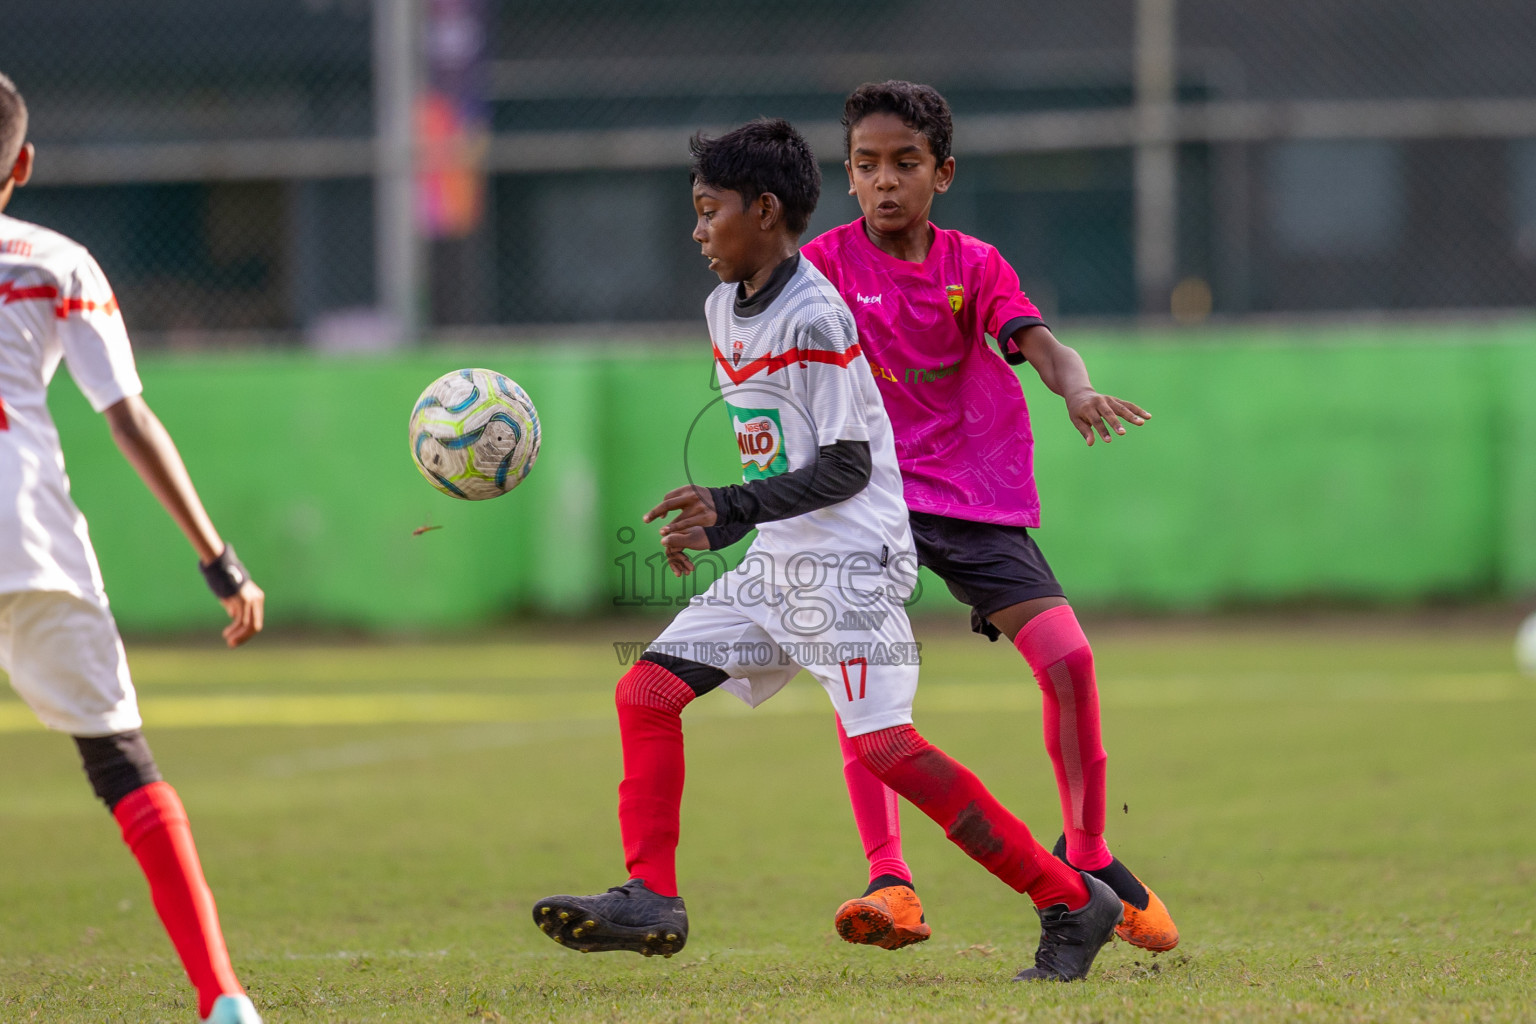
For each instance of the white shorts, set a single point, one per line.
(67, 662)
(858, 645)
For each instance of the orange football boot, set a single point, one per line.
(1147, 923)
(890, 918)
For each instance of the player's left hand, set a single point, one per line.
(246, 610)
(1091, 411)
(694, 507)
(677, 543)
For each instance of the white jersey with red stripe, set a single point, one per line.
(793, 379)
(55, 304)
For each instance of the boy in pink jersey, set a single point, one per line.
(925, 300)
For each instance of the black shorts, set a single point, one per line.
(985, 565)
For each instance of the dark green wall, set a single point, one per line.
(1382, 464)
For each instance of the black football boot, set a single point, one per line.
(1070, 939)
(628, 916)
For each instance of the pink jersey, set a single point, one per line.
(962, 426)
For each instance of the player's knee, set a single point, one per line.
(662, 681)
(117, 764)
(884, 749)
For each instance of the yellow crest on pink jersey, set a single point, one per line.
(956, 298)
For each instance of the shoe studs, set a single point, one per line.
(580, 929)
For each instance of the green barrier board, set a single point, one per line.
(1376, 464)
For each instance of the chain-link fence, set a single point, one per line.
(178, 140)
(342, 170)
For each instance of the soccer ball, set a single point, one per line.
(474, 434)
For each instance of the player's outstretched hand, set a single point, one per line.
(678, 542)
(246, 610)
(1091, 411)
(693, 505)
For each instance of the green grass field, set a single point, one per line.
(1341, 820)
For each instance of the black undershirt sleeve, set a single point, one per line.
(724, 536)
(1013, 355)
(840, 471)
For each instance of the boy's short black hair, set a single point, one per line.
(920, 108)
(13, 124)
(765, 155)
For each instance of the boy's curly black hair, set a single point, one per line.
(920, 108)
(765, 155)
(13, 124)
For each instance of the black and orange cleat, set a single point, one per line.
(888, 915)
(1070, 939)
(626, 917)
(1147, 924)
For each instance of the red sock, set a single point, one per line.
(650, 700)
(155, 828)
(876, 812)
(1058, 653)
(946, 791)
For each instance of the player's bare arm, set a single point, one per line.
(148, 447)
(1063, 371)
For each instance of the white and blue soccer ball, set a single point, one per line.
(474, 434)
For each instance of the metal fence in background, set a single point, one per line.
(352, 172)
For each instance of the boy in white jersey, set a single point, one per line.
(58, 641)
(822, 586)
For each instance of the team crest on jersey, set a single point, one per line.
(760, 436)
(736, 349)
(956, 295)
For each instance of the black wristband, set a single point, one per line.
(226, 574)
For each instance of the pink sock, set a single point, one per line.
(876, 812)
(1058, 653)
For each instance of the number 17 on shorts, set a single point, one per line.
(855, 668)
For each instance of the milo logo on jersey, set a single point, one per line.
(760, 436)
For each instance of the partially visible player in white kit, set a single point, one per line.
(58, 640)
(820, 588)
